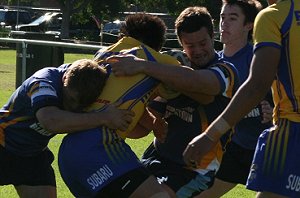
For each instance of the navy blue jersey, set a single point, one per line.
(20, 131)
(249, 128)
(187, 118)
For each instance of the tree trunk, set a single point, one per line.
(65, 25)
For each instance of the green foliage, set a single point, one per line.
(4, 32)
(174, 7)
(23, 2)
(81, 11)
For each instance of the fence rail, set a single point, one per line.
(24, 43)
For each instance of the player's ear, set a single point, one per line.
(249, 26)
(64, 78)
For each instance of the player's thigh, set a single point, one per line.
(36, 191)
(151, 188)
(135, 183)
(268, 195)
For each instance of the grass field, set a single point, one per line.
(7, 86)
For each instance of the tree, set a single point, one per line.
(69, 7)
(88, 8)
(80, 11)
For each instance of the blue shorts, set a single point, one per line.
(276, 164)
(90, 160)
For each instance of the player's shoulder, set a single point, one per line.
(179, 55)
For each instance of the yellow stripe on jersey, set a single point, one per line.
(113, 146)
(8, 123)
(13, 121)
(276, 148)
(135, 91)
(107, 139)
(229, 91)
(285, 145)
(216, 152)
(278, 26)
(33, 89)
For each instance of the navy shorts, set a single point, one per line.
(184, 182)
(91, 160)
(125, 185)
(33, 170)
(235, 165)
(276, 163)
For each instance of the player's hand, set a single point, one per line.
(118, 118)
(197, 149)
(160, 129)
(267, 111)
(125, 65)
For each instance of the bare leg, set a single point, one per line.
(269, 195)
(150, 188)
(36, 191)
(218, 189)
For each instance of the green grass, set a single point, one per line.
(7, 86)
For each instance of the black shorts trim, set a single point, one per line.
(235, 165)
(125, 185)
(176, 176)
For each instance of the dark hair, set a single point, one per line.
(147, 28)
(250, 9)
(192, 19)
(87, 78)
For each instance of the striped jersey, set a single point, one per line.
(133, 91)
(187, 118)
(20, 131)
(279, 26)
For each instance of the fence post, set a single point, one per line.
(24, 56)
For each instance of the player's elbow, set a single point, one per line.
(48, 120)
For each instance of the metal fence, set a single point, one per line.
(25, 42)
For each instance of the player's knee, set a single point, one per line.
(161, 195)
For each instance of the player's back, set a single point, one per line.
(282, 20)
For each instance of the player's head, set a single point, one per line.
(270, 2)
(146, 28)
(194, 28)
(239, 14)
(82, 84)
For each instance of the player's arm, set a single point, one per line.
(57, 120)
(144, 126)
(184, 79)
(263, 71)
(267, 111)
(152, 120)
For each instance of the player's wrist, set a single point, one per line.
(101, 119)
(148, 67)
(217, 129)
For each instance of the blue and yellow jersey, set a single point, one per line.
(187, 118)
(279, 26)
(20, 131)
(133, 91)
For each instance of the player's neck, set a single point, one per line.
(233, 47)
